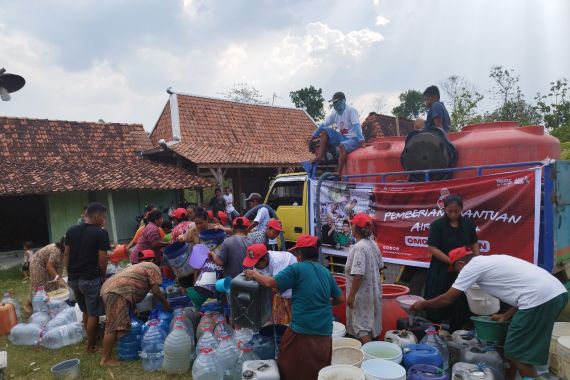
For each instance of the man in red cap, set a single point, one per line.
(274, 228)
(535, 296)
(310, 331)
(122, 292)
(270, 263)
(232, 251)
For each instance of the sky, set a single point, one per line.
(114, 59)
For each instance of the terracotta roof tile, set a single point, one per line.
(42, 156)
(387, 124)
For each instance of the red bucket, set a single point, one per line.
(339, 311)
(391, 310)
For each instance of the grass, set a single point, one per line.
(30, 363)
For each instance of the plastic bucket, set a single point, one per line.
(490, 331)
(563, 352)
(199, 256)
(560, 329)
(347, 355)
(174, 250)
(341, 372)
(346, 342)
(339, 330)
(381, 369)
(382, 350)
(223, 285)
(59, 295)
(212, 237)
(67, 370)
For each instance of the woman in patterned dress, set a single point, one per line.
(46, 269)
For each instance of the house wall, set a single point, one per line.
(63, 211)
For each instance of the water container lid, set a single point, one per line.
(248, 374)
(206, 350)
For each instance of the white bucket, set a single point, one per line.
(338, 330)
(59, 295)
(560, 329)
(480, 302)
(341, 372)
(563, 351)
(382, 350)
(347, 355)
(346, 342)
(380, 369)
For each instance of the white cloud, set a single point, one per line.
(192, 7)
(381, 20)
(381, 102)
(233, 57)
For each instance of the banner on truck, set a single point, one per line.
(503, 208)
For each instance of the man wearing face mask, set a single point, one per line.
(349, 135)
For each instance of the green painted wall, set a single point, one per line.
(63, 211)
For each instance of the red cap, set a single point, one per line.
(223, 217)
(253, 253)
(210, 214)
(362, 220)
(147, 254)
(457, 254)
(305, 241)
(180, 213)
(244, 221)
(275, 224)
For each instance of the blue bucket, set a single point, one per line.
(212, 237)
(223, 285)
(174, 250)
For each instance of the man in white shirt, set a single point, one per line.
(262, 216)
(349, 135)
(230, 209)
(535, 296)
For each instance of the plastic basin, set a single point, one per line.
(346, 342)
(347, 355)
(380, 369)
(382, 350)
(67, 370)
(488, 330)
(341, 371)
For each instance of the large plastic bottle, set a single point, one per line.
(39, 318)
(55, 307)
(222, 327)
(185, 322)
(62, 336)
(245, 353)
(25, 334)
(152, 347)
(7, 298)
(207, 341)
(226, 353)
(177, 350)
(433, 339)
(129, 345)
(206, 366)
(208, 322)
(63, 318)
(242, 336)
(40, 300)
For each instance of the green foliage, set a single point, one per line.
(463, 99)
(555, 106)
(565, 150)
(562, 133)
(244, 93)
(411, 105)
(311, 99)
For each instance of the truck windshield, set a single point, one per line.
(288, 193)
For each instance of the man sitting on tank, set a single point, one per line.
(348, 133)
(437, 116)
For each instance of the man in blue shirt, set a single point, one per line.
(348, 135)
(437, 116)
(309, 335)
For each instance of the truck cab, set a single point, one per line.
(288, 195)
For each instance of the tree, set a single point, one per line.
(244, 93)
(463, 100)
(411, 105)
(555, 106)
(311, 99)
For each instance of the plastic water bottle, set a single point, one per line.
(185, 322)
(242, 336)
(245, 353)
(55, 307)
(433, 339)
(208, 322)
(62, 336)
(206, 367)
(40, 300)
(222, 328)
(39, 318)
(63, 318)
(25, 334)
(152, 347)
(129, 345)
(226, 353)
(178, 347)
(207, 341)
(7, 298)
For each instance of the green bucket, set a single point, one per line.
(490, 331)
(196, 298)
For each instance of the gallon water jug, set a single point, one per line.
(207, 340)
(465, 337)
(421, 354)
(164, 317)
(40, 300)
(8, 298)
(8, 318)
(263, 346)
(245, 354)
(63, 318)
(458, 342)
(185, 322)
(62, 336)
(400, 337)
(55, 307)
(222, 327)
(208, 322)
(152, 347)
(226, 353)
(260, 370)
(418, 327)
(426, 372)
(39, 318)
(466, 371)
(206, 367)
(242, 336)
(485, 354)
(129, 345)
(433, 339)
(178, 348)
(250, 303)
(25, 334)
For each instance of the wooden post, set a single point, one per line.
(397, 126)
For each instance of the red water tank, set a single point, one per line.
(339, 311)
(391, 310)
(499, 142)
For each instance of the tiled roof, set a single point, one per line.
(387, 125)
(43, 156)
(223, 132)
